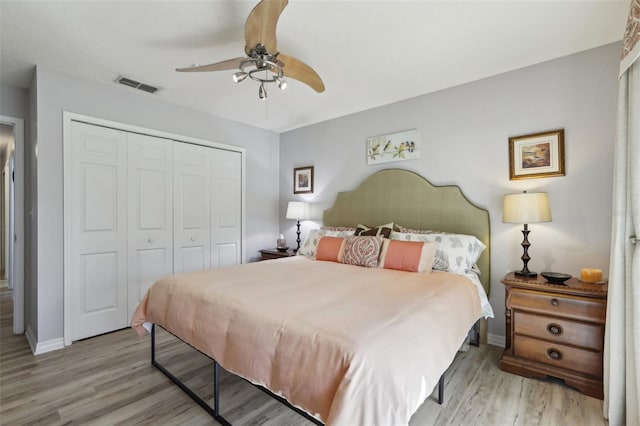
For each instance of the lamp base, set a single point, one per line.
(526, 273)
(298, 240)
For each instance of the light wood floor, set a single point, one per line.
(109, 380)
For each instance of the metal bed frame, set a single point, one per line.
(215, 410)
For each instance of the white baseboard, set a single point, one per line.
(39, 348)
(496, 340)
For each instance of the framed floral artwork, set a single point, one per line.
(536, 155)
(303, 180)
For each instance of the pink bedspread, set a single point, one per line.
(349, 345)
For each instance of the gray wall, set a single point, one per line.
(58, 92)
(31, 211)
(14, 102)
(463, 133)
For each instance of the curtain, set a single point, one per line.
(622, 334)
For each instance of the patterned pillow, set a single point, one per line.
(412, 256)
(456, 253)
(401, 228)
(330, 249)
(337, 228)
(362, 251)
(377, 231)
(309, 247)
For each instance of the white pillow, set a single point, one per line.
(456, 253)
(310, 245)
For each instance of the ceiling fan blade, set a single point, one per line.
(298, 70)
(229, 64)
(260, 27)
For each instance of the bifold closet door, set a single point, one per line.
(150, 214)
(98, 209)
(192, 207)
(226, 206)
(141, 208)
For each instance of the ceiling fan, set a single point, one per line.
(264, 63)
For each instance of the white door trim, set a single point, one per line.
(18, 209)
(67, 118)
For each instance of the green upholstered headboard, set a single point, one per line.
(408, 199)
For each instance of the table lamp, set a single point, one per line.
(525, 208)
(297, 210)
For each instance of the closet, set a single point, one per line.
(141, 207)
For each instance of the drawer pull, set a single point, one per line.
(555, 302)
(554, 354)
(554, 329)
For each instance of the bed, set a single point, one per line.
(317, 334)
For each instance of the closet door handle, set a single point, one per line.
(192, 239)
(150, 240)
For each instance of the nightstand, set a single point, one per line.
(275, 254)
(555, 330)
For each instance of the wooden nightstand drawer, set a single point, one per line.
(555, 330)
(563, 356)
(587, 335)
(558, 305)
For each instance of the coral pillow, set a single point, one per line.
(362, 251)
(409, 256)
(330, 249)
(457, 253)
(310, 245)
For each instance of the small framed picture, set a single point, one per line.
(537, 155)
(303, 180)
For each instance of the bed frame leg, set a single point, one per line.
(441, 389)
(213, 412)
(475, 341)
(153, 344)
(216, 388)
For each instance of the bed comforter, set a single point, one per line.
(347, 344)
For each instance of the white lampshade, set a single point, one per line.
(297, 210)
(527, 207)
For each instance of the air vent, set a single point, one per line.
(136, 84)
(147, 88)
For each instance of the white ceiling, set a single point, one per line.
(369, 53)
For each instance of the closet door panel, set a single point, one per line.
(150, 214)
(226, 208)
(192, 207)
(98, 209)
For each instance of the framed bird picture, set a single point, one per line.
(393, 147)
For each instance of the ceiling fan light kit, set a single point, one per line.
(263, 62)
(263, 68)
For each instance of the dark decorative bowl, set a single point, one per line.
(555, 277)
(283, 248)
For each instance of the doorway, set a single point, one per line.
(12, 215)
